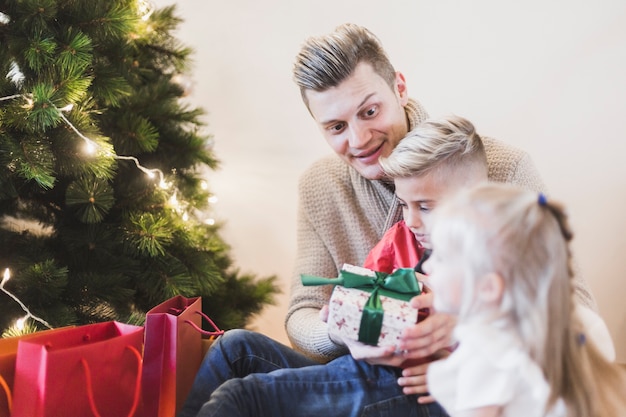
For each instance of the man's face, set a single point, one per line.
(362, 118)
(418, 197)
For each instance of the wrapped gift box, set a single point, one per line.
(369, 306)
(346, 309)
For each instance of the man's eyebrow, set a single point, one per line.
(333, 121)
(367, 97)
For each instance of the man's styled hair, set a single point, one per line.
(325, 61)
(449, 144)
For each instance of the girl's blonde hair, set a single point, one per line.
(524, 238)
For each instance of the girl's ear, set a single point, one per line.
(490, 288)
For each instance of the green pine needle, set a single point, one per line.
(148, 234)
(40, 53)
(90, 198)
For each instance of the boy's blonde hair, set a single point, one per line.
(525, 239)
(439, 146)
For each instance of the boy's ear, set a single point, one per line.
(491, 288)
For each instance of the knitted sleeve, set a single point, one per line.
(341, 216)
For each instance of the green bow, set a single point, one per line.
(401, 284)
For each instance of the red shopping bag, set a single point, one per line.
(90, 370)
(8, 353)
(172, 354)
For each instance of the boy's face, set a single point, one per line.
(419, 196)
(362, 118)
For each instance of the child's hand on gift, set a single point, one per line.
(429, 335)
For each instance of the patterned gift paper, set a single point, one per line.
(346, 308)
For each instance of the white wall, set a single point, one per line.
(548, 76)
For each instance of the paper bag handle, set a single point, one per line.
(7, 391)
(217, 331)
(92, 403)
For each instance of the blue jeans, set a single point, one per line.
(248, 374)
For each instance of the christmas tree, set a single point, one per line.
(102, 197)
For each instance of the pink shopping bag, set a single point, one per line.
(172, 354)
(8, 354)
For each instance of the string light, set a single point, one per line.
(12, 97)
(91, 146)
(20, 322)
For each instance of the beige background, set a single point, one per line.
(548, 76)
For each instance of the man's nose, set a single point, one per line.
(359, 135)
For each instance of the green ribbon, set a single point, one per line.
(401, 284)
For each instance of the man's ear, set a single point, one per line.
(490, 288)
(401, 88)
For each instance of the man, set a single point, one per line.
(362, 107)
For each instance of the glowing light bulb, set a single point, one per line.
(213, 199)
(204, 185)
(90, 147)
(185, 216)
(174, 202)
(210, 222)
(5, 277)
(21, 323)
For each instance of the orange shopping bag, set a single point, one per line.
(90, 370)
(172, 354)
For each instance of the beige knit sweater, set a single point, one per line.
(341, 217)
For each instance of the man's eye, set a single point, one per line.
(371, 111)
(336, 128)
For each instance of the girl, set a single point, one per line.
(501, 264)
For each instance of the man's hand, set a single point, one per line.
(374, 355)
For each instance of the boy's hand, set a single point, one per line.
(429, 335)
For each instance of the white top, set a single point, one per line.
(490, 368)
